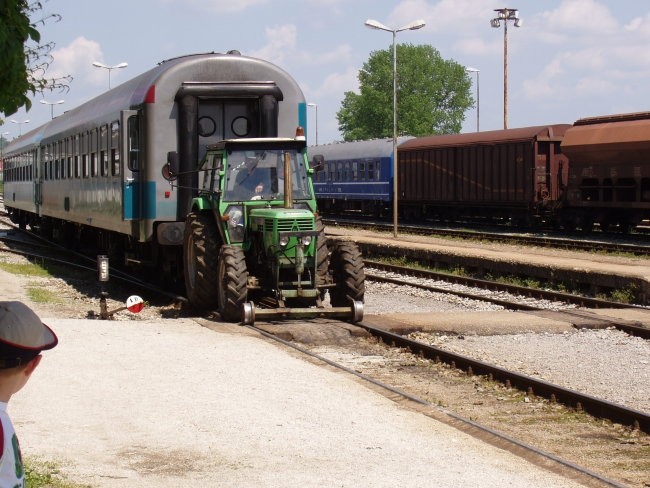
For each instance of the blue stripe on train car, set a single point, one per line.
(302, 116)
(132, 207)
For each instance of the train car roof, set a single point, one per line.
(371, 148)
(541, 132)
(165, 79)
(623, 137)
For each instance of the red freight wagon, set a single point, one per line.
(513, 174)
(609, 179)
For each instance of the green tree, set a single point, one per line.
(433, 95)
(24, 60)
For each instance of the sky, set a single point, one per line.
(569, 59)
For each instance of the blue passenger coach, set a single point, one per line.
(357, 177)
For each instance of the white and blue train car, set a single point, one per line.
(98, 167)
(357, 176)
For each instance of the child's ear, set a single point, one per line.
(31, 366)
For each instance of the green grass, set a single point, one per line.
(28, 269)
(38, 294)
(40, 474)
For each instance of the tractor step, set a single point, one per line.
(250, 313)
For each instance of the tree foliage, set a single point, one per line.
(433, 95)
(24, 60)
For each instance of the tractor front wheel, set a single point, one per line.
(346, 267)
(201, 244)
(233, 280)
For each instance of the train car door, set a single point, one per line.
(131, 164)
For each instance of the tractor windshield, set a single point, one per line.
(259, 175)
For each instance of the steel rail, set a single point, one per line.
(459, 422)
(506, 238)
(623, 325)
(532, 386)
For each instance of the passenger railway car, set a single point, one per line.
(96, 171)
(609, 181)
(357, 176)
(514, 174)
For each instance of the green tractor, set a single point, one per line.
(254, 246)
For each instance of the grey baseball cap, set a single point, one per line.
(22, 334)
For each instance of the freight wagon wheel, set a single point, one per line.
(200, 253)
(321, 257)
(233, 278)
(346, 266)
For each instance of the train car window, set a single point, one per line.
(355, 171)
(330, 171)
(103, 162)
(371, 170)
(133, 147)
(339, 171)
(362, 171)
(115, 148)
(75, 154)
(93, 164)
(346, 171)
(378, 171)
(84, 165)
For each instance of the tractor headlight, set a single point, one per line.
(235, 215)
(305, 240)
(284, 240)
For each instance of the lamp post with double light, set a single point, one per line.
(478, 95)
(97, 64)
(505, 15)
(52, 104)
(316, 115)
(20, 124)
(373, 24)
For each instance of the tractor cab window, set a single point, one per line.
(259, 175)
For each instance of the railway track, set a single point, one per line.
(569, 243)
(531, 386)
(594, 406)
(578, 316)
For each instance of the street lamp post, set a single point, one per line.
(478, 95)
(52, 104)
(20, 124)
(373, 24)
(505, 14)
(109, 68)
(316, 113)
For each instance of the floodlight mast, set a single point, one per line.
(505, 15)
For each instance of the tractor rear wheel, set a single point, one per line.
(233, 280)
(346, 266)
(201, 244)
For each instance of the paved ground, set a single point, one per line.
(171, 403)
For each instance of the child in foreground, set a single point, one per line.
(22, 338)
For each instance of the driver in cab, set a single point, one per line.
(251, 179)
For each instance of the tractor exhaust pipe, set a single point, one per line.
(288, 184)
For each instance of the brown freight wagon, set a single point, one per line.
(609, 178)
(513, 174)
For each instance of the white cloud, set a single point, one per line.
(220, 6)
(581, 15)
(76, 59)
(282, 42)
